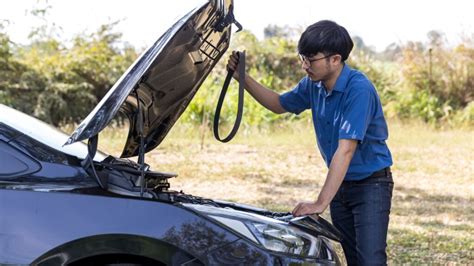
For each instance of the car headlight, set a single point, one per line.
(271, 234)
(277, 237)
(286, 239)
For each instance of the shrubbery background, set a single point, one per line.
(61, 81)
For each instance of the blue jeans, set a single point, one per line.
(360, 211)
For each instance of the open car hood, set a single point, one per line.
(159, 85)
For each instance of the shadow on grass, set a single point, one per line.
(446, 228)
(414, 201)
(407, 246)
(292, 182)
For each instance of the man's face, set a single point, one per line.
(318, 66)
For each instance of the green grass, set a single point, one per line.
(432, 219)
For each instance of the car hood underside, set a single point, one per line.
(159, 85)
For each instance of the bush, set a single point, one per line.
(61, 84)
(465, 117)
(437, 82)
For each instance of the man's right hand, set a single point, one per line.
(232, 64)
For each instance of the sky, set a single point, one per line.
(379, 23)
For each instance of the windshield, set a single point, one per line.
(44, 133)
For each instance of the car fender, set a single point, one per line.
(115, 244)
(36, 222)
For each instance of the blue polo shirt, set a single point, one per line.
(352, 110)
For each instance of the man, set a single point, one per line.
(351, 132)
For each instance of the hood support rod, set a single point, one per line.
(141, 150)
(88, 162)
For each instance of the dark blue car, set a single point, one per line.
(62, 202)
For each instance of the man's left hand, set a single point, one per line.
(308, 207)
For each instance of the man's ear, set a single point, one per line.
(337, 58)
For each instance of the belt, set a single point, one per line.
(384, 175)
(240, 101)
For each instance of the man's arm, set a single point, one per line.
(266, 97)
(337, 170)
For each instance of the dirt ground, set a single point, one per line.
(432, 217)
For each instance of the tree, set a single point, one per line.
(285, 32)
(361, 47)
(436, 38)
(77, 77)
(392, 52)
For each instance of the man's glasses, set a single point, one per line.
(307, 61)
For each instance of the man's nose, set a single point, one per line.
(304, 66)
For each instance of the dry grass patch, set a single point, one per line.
(432, 218)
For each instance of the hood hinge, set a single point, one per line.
(228, 19)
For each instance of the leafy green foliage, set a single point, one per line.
(437, 81)
(273, 62)
(60, 82)
(19, 83)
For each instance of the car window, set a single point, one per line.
(15, 163)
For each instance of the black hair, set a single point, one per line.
(327, 37)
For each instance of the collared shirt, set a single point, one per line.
(352, 110)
